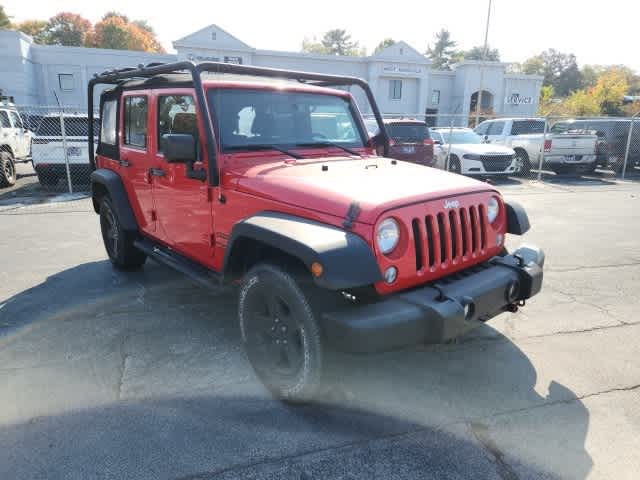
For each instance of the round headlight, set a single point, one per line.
(387, 235)
(493, 208)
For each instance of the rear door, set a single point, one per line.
(136, 157)
(184, 212)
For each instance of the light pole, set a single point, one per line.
(484, 56)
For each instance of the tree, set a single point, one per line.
(476, 53)
(5, 20)
(334, 42)
(546, 103)
(386, 43)
(442, 51)
(36, 29)
(67, 29)
(609, 91)
(117, 32)
(560, 70)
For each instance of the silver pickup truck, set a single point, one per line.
(563, 152)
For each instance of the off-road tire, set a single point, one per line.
(523, 161)
(454, 164)
(270, 299)
(7, 170)
(118, 242)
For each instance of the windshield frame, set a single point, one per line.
(361, 131)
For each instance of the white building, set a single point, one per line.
(401, 77)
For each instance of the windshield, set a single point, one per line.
(408, 132)
(247, 119)
(461, 137)
(73, 126)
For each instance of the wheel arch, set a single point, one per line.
(7, 148)
(107, 182)
(347, 260)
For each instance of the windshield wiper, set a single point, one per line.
(264, 146)
(329, 144)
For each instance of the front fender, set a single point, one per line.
(109, 182)
(347, 260)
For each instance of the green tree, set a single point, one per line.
(560, 70)
(442, 51)
(67, 29)
(546, 104)
(5, 20)
(36, 29)
(334, 42)
(386, 43)
(476, 53)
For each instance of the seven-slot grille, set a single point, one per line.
(496, 163)
(452, 236)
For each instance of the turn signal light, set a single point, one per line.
(316, 269)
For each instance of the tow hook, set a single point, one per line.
(513, 307)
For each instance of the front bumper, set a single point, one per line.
(439, 311)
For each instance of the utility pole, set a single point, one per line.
(484, 56)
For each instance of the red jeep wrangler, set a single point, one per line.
(275, 186)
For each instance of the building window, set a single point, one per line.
(395, 89)
(435, 97)
(235, 60)
(135, 121)
(213, 35)
(65, 80)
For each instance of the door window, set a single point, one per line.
(4, 119)
(135, 121)
(16, 120)
(482, 128)
(495, 128)
(177, 114)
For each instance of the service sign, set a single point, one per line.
(517, 99)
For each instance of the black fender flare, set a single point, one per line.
(517, 218)
(114, 187)
(347, 260)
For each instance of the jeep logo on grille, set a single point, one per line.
(451, 204)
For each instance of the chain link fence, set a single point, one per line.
(553, 148)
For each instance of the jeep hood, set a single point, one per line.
(331, 185)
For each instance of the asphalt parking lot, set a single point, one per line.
(141, 375)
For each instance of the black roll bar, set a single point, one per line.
(115, 77)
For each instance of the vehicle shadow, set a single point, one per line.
(445, 411)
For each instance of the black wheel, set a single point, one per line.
(589, 169)
(118, 242)
(7, 170)
(454, 164)
(561, 170)
(280, 333)
(522, 162)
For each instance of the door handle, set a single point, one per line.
(157, 172)
(124, 163)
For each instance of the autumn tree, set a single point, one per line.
(442, 51)
(386, 43)
(5, 20)
(36, 29)
(68, 29)
(117, 32)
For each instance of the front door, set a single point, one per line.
(136, 156)
(184, 212)
(23, 139)
(495, 132)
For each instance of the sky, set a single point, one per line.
(596, 33)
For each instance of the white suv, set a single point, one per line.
(469, 155)
(15, 142)
(49, 155)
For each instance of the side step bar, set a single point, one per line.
(201, 275)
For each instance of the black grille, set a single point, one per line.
(496, 163)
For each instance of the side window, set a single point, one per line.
(108, 125)
(16, 120)
(482, 128)
(4, 119)
(176, 114)
(495, 128)
(135, 121)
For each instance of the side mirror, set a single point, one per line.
(378, 144)
(178, 147)
(437, 142)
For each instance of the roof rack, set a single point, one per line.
(116, 76)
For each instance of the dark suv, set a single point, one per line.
(613, 135)
(409, 140)
(276, 188)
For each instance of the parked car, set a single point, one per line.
(563, 153)
(49, 159)
(613, 134)
(410, 140)
(331, 245)
(15, 141)
(469, 155)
